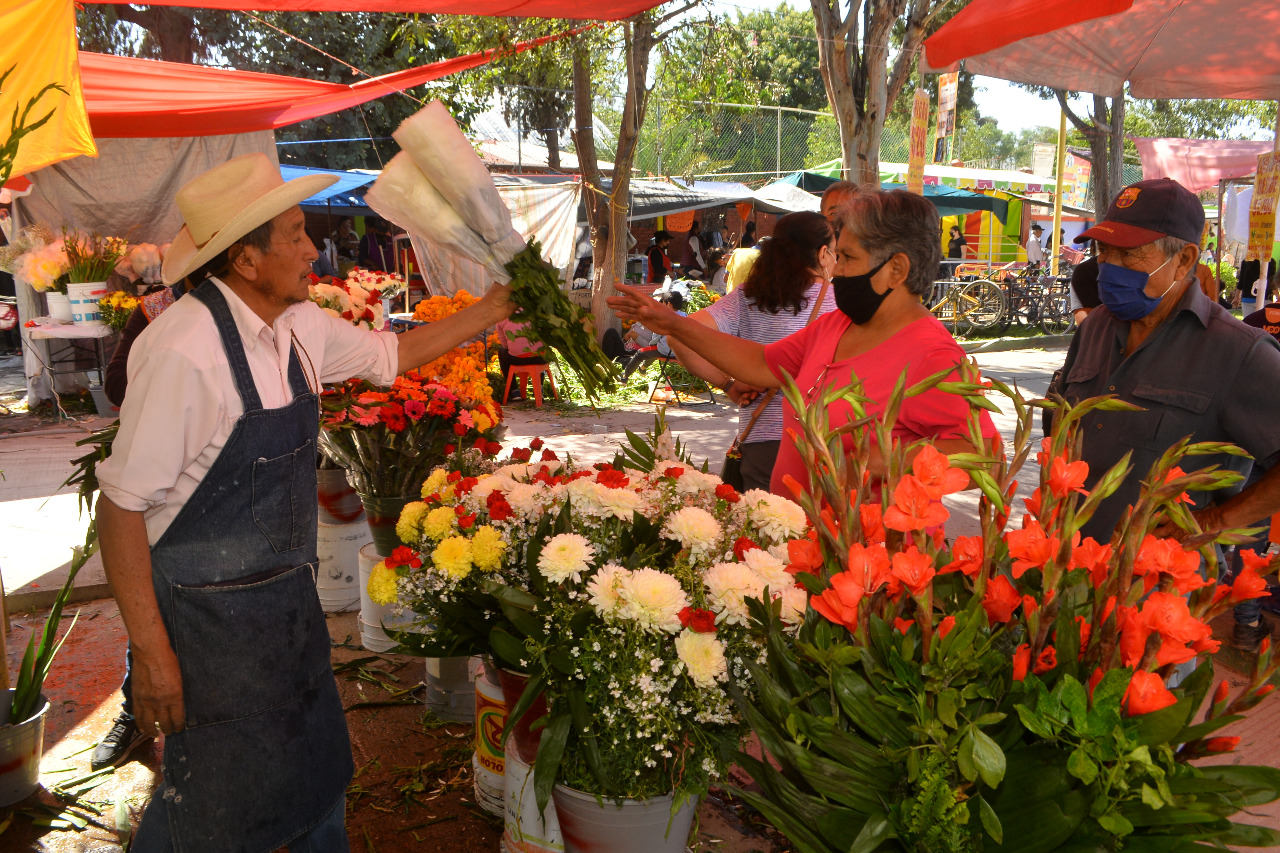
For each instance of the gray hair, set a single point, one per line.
(897, 221)
(1169, 247)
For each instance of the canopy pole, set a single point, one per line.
(1056, 237)
(1217, 253)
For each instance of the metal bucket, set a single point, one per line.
(524, 830)
(20, 749)
(451, 688)
(338, 546)
(491, 716)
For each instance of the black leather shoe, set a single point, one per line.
(1247, 637)
(123, 739)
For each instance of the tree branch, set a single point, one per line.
(667, 17)
(1081, 124)
(145, 17)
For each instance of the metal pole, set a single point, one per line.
(1217, 254)
(1057, 196)
(519, 145)
(778, 161)
(657, 145)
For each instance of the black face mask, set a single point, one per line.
(855, 296)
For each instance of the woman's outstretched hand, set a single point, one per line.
(631, 304)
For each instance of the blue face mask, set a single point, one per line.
(1122, 290)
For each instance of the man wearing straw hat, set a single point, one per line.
(208, 520)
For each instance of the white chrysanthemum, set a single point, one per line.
(775, 517)
(694, 528)
(727, 585)
(604, 588)
(484, 487)
(566, 556)
(652, 599)
(528, 499)
(693, 481)
(794, 603)
(516, 471)
(620, 503)
(703, 657)
(584, 496)
(772, 571)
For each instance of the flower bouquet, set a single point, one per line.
(620, 591)
(91, 257)
(462, 368)
(36, 258)
(1004, 691)
(116, 309)
(143, 262)
(438, 188)
(387, 284)
(348, 300)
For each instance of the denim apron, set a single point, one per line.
(265, 755)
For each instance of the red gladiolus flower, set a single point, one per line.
(1030, 548)
(1094, 559)
(1095, 680)
(945, 626)
(1221, 744)
(933, 469)
(1065, 478)
(914, 569)
(1264, 646)
(1046, 660)
(1046, 447)
(870, 565)
(903, 625)
(1034, 504)
(1021, 662)
(536, 444)
(1175, 473)
(698, 621)
(1166, 556)
(1086, 630)
(1029, 605)
(1248, 585)
(1147, 693)
(804, 555)
(839, 603)
(1264, 690)
(913, 507)
(1221, 692)
(1001, 600)
(728, 493)
(742, 546)
(871, 518)
(966, 556)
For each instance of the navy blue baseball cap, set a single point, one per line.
(1148, 210)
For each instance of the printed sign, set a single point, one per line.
(948, 85)
(919, 142)
(1262, 210)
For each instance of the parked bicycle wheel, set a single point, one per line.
(1056, 317)
(982, 304)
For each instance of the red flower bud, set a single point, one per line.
(547, 455)
(1221, 693)
(1264, 690)
(536, 444)
(1221, 744)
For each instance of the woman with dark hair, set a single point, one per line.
(748, 235)
(887, 254)
(717, 275)
(779, 297)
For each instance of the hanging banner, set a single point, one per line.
(948, 84)
(1075, 174)
(919, 142)
(1262, 210)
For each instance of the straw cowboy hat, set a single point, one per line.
(227, 202)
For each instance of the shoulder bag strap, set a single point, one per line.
(768, 398)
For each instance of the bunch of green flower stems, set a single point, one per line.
(1005, 691)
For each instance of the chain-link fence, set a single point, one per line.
(751, 144)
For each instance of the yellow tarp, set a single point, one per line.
(39, 43)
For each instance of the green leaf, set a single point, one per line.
(1074, 699)
(530, 694)
(964, 757)
(946, 708)
(1152, 797)
(546, 769)
(1081, 766)
(988, 757)
(1033, 722)
(990, 821)
(1116, 824)
(875, 832)
(1161, 726)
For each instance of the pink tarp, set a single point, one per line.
(1199, 164)
(590, 10)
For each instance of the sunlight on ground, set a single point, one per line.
(39, 536)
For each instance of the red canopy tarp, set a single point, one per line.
(146, 98)
(1163, 48)
(586, 10)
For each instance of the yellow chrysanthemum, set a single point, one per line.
(488, 548)
(434, 483)
(439, 523)
(382, 584)
(409, 527)
(453, 556)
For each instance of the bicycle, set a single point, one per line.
(966, 306)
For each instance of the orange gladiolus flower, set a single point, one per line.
(1021, 662)
(1147, 693)
(1221, 744)
(1166, 556)
(1175, 473)
(966, 556)
(1029, 605)
(1046, 660)
(1030, 548)
(1248, 585)
(914, 569)
(902, 626)
(1067, 477)
(804, 555)
(933, 469)
(1221, 692)
(1093, 558)
(870, 565)
(1001, 600)
(839, 603)
(871, 517)
(913, 507)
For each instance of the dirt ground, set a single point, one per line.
(413, 786)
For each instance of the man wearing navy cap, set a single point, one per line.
(1158, 342)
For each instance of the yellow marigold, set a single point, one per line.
(409, 527)
(439, 523)
(382, 584)
(435, 482)
(453, 556)
(488, 548)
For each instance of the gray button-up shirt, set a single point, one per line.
(1201, 373)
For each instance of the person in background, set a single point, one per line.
(375, 247)
(728, 238)
(749, 235)
(778, 298)
(1208, 256)
(323, 265)
(836, 197)
(887, 255)
(697, 265)
(1035, 252)
(1084, 289)
(647, 345)
(717, 282)
(660, 265)
(514, 348)
(957, 245)
(346, 241)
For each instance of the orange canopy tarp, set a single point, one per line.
(592, 10)
(146, 98)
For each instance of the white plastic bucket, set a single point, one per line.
(491, 716)
(84, 302)
(451, 688)
(338, 546)
(524, 830)
(374, 616)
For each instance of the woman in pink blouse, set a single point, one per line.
(886, 256)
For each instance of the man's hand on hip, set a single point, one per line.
(157, 692)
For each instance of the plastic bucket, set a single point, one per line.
(338, 502)
(451, 688)
(526, 741)
(338, 546)
(524, 830)
(20, 749)
(84, 302)
(59, 306)
(374, 616)
(491, 715)
(632, 826)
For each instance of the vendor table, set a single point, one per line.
(95, 336)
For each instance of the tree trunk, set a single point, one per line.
(171, 30)
(640, 36)
(552, 138)
(836, 65)
(592, 193)
(1115, 140)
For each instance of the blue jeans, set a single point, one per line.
(328, 836)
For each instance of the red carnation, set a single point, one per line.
(536, 444)
(726, 492)
(742, 546)
(698, 621)
(521, 454)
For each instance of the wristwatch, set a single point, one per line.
(727, 385)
